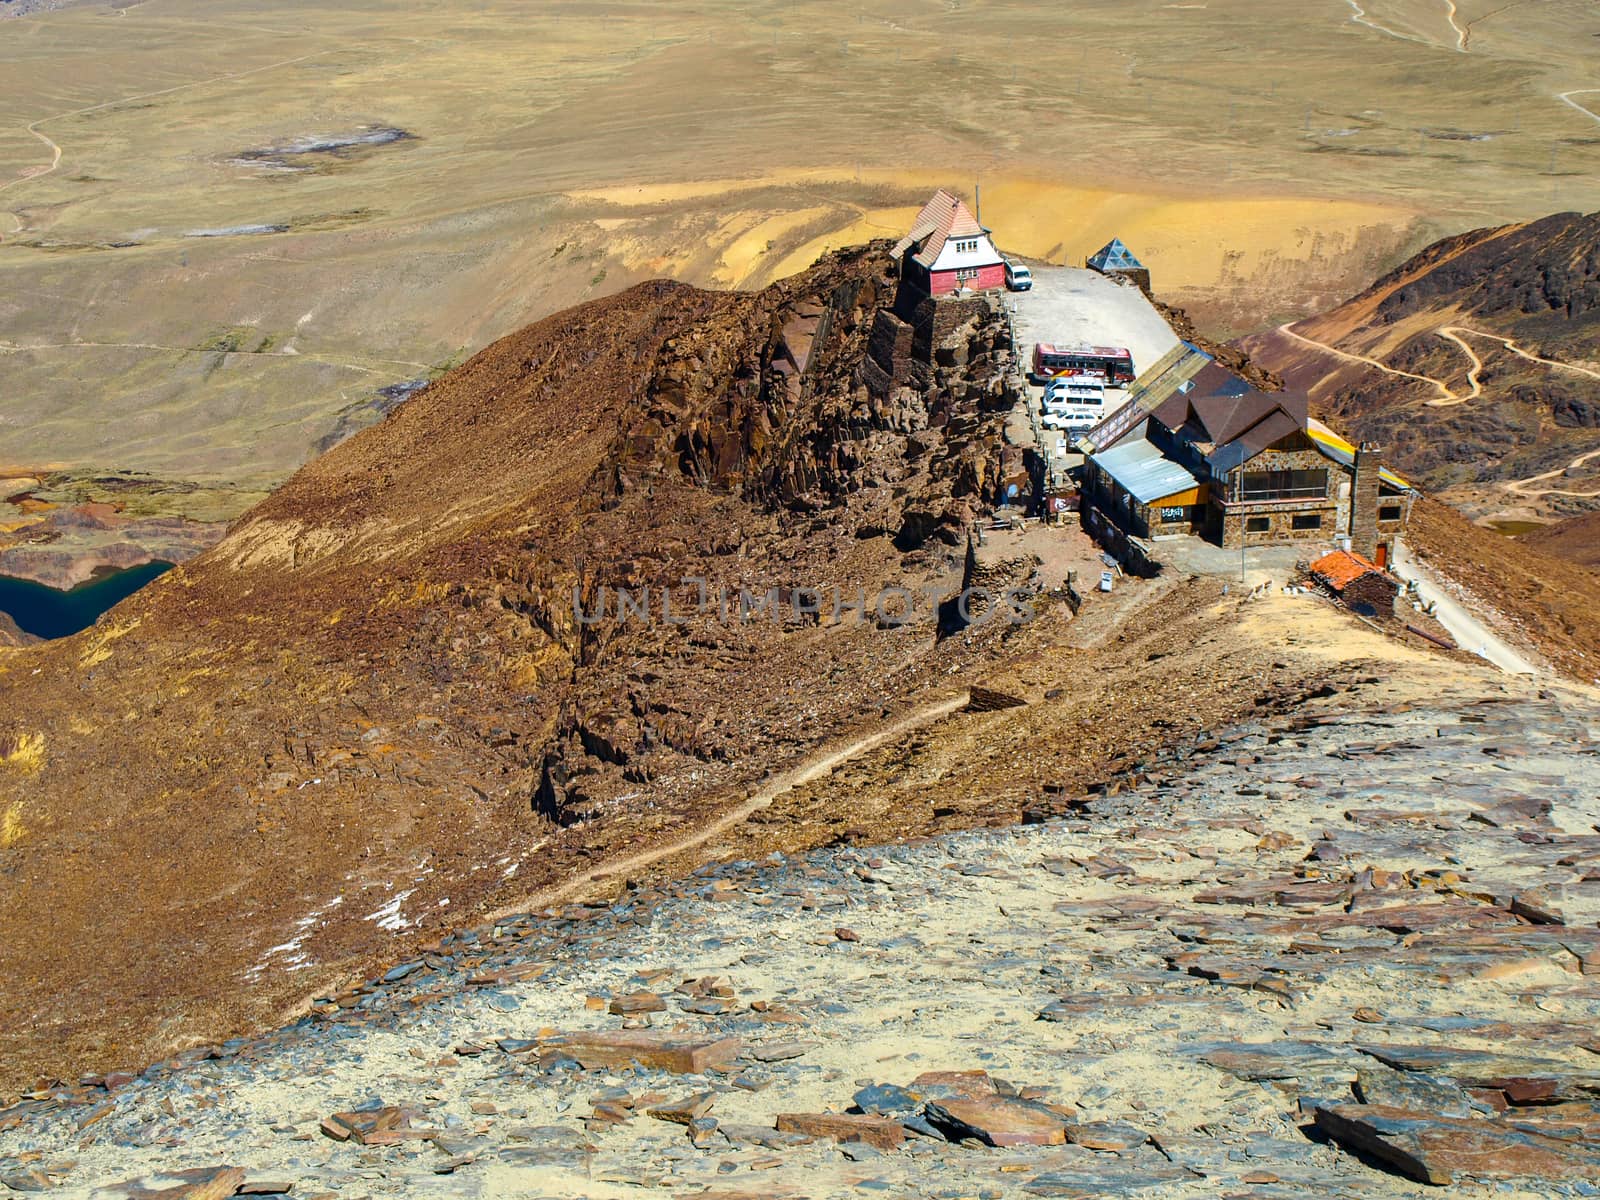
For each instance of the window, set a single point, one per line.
(1389, 512)
(1284, 485)
(1257, 524)
(1308, 521)
(966, 273)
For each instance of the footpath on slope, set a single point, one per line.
(1469, 631)
(813, 768)
(1347, 951)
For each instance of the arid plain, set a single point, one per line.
(226, 226)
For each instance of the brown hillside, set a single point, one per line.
(371, 710)
(1548, 605)
(1459, 398)
(1576, 540)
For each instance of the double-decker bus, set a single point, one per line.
(1113, 364)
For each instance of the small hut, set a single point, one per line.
(1362, 585)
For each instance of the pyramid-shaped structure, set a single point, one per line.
(1114, 256)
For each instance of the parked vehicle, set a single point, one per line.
(1112, 363)
(1075, 389)
(1073, 418)
(1018, 277)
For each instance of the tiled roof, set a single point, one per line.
(1342, 568)
(941, 218)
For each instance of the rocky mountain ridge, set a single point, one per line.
(374, 704)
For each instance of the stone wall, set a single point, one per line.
(1227, 523)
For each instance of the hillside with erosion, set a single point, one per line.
(373, 709)
(604, 719)
(1474, 364)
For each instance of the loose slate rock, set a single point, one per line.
(1523, 1080)
(779, 1051)
(200, 1183)
(1106, 1135)
(660, 1051)
(879, 1132)
(997, 1121)
(686, 1110)
(1437, 1149)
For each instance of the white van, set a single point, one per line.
(1076, 389)
(1018, 277)
(1074, 393)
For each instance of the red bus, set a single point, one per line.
(1113, 364)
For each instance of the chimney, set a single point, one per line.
(1364, 501)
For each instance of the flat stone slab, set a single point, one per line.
(1267, 1061)
(1524, 1080)
(200, 1183)
(996, 1120)
(661, 1051)
(882, 1133)
(1439, 1150)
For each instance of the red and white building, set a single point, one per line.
(947, 249)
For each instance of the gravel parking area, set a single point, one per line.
(1071, 305)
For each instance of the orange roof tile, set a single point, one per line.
(1342, 568)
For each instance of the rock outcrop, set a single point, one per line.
(411, 676)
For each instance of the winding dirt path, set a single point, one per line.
(32, 173)
(1567, 99)
(1475, 386)
(1448, 396)
(1520, 486)
(1444, 391)
(1461, 34)
(1360, 18)
(805, 772)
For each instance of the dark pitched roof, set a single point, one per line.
(1169, 375)
(1220, 409)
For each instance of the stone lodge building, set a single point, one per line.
(1218, 459)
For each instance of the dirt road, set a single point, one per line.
(1469, 631)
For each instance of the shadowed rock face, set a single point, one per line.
(373, 706)
(10, 635)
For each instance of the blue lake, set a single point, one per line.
(48, 613)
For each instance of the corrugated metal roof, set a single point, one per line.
(1143, 471)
